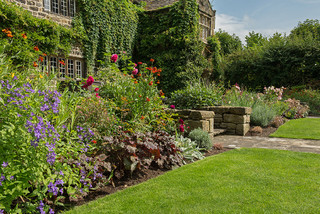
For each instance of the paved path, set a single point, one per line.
(269, 143)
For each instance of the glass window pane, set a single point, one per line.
(53, 64)
(63, 6)
(70, 68)
(78, 69)
(62, 67)
(55, 6)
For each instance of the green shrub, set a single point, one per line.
(201, 137)
(196, 95)
(309, 96)
(262, 115)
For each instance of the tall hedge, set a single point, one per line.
(286, 62)
(171, 37)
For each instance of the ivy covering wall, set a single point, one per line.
(109, 26)
(171, 37)
(28, 32)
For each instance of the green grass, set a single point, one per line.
(306, 128)
(238, 181)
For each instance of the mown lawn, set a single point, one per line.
(305, 128)
(238, 181)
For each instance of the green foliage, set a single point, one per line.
(280, 62)
(171, 36)
(229, 43)
(98, 114)
(214, 47)
(201, 138)
(309, 96)
(308, 28)
(197, 94)
(137, 100)
(189, 149)
(50, 37)
(262, 115)
(255, 39)
(108, 27)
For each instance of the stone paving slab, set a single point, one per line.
(298, 145)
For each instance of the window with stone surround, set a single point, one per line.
(71, 67)
(62, 7)
(205, 26)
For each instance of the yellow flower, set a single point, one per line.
(41, 76)
(12, 75)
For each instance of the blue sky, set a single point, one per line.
(263, 16)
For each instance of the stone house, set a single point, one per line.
(62, 12)
(207, 14)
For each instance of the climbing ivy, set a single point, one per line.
(109, 26)
(28, 32)
(171, 36)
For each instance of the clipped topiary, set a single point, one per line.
(201, 137)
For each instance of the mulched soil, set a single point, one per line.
(265, 132)
(135, 179)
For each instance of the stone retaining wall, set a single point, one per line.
(236, 120)
(198, 119)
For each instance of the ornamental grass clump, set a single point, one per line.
(202, 138)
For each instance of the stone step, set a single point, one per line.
(219, 131)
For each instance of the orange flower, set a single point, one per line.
(150, 83)
(44, 54)
(41, 58)
(139, 75)
(158, 74)
(124, 75)
(154, 70)
(142, 118)
(36, 48)
(135, 82)
(140, 96)
(151, 60)
(94, 141)
(24, 35)
(158, 82)
(35, 64)
(62, 62)
(148, 99)
(4, 30)
(9, 35)
(161, 93)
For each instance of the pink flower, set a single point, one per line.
(135, 65)
(96, 89)
(97, 95)
(89, 82)
(181, 128)
(237, 86)
(114, 58)
(135, 71)
(181, 121)
(172, 106)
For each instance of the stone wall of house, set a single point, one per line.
(236, 120)
(155, 4)
(37, 10)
